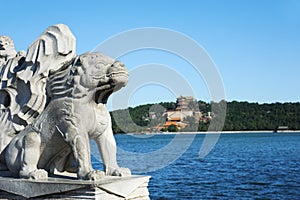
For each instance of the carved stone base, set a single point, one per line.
(66, 186)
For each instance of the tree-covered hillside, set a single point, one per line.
(240, 116)
(254, 116)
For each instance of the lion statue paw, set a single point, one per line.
(121, 171)
(95, 175)
(37, 174)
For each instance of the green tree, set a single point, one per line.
(239, 116)
(172, 128)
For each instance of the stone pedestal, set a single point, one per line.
(66, 186)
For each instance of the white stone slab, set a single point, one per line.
(69, 187)
(124, 187)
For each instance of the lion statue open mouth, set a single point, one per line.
(50, 130)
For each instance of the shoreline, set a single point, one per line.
(214, 132)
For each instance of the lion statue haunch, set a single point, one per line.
(58, 139)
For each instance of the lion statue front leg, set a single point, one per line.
(108, 151)
(79, 141)
(81, 153)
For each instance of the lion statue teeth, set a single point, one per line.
(63, 107)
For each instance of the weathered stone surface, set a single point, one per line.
(64, 186)
(52, 102)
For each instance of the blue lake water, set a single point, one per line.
(240, 166)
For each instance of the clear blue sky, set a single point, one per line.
(255, 44)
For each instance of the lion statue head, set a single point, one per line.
(91, 75)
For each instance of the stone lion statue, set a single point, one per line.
(50, 110)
